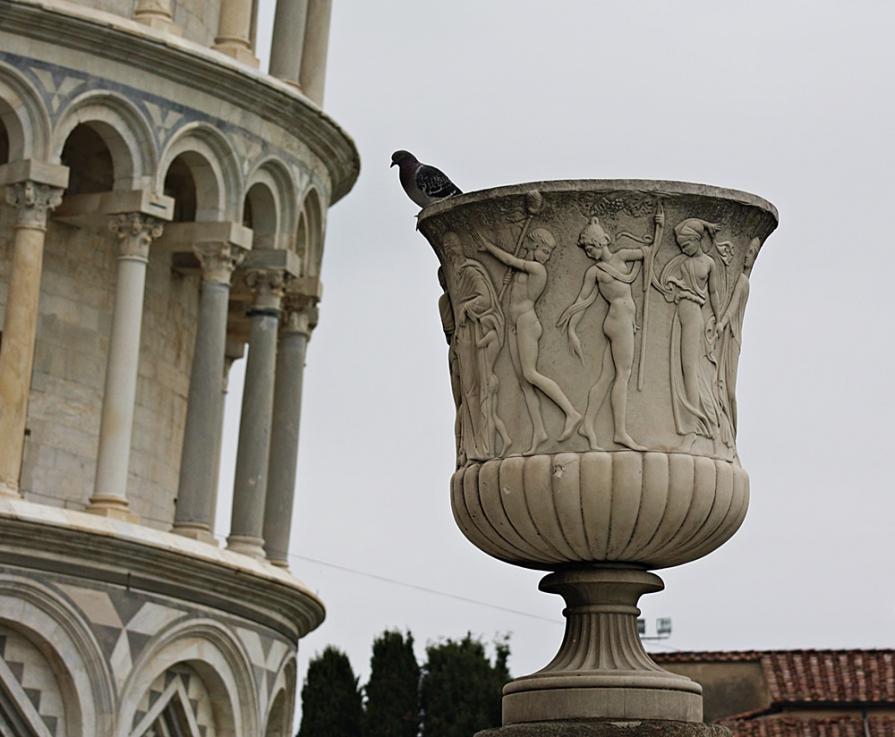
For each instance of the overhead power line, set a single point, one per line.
(424, 589)
(429, 590)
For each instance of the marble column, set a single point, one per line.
(253, 450)
(235, 31)
(312, 76)
(288, 39)
(33, 202)
(201, 441)
(155, 14)
(298, 320)
(233, 352)
(135, 232)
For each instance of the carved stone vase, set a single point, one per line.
(594, 330)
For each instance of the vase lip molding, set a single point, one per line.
(658, 187)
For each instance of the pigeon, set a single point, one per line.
(424, 184)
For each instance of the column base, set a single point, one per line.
(196, 532)
(253, 546)
(601, 671)
(238, 52)
(607, 728)
(113, 507)
(9, 491)
(159, 23)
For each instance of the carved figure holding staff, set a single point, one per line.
(730, 330)
(446, 311)
(527, 285)
(611, 277)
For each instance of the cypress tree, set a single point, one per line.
(393, 701)
(461, 689)
(331, 704)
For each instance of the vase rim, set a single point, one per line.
(646, 186)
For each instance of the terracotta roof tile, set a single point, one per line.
(788, 726)
(810, 676)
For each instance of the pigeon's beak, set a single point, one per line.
(391, 165)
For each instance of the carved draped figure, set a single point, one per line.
(694, 413)
(729, 351)
(479, 334)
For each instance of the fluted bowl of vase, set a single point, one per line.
(594, 330)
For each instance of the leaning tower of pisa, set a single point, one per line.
(164, 216)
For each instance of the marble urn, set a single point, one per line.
(594, 331)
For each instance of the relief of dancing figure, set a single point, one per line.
(611, 277)
(691, 280)
(528, 283)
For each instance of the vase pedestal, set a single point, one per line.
(601, 670)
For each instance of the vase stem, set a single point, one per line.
(601, 669)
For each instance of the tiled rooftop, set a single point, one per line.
(788, 726)
(813, 676)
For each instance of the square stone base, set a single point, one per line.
(608, 728)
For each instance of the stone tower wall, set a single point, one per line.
(77, 295)
(163, 215)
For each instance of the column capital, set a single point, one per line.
(218, 260)
(135, 232)
(268, 287)
(300, 314)
(33, 202)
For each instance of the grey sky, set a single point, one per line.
(794, 101)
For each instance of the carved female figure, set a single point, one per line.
(730, 328)
(528, 283)
(611, 277)
(478, 339)
(446, 311)
(690, 280)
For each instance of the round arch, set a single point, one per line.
(23, 116)
(301, 240)
(281, 704)
(123, 129)
(64, 638)
(219, 659)
(312, 212)
(213, 166)
(261, 212)
(281, 183)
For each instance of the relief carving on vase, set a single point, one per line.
(730, 339)
(626, 326)
(527, 283)
(474, 325)
(612, 277)
(693, 282)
